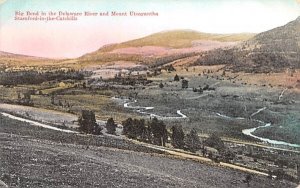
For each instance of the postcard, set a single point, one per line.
(160, 93)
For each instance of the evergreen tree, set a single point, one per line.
(159, 132)
(176, 78)
(135, 129)
(127, 126)
(111, 126)
(87, 123)
(177, 137)
(192, 141)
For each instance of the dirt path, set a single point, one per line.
(41, 115)
(187, 155)
(36, 123)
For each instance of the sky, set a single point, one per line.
(68, 39)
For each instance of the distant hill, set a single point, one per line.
(12, 55)
(156, 49)
(273, 50)
(169, 44)
(17, 60)
(11, 58)
(177, 39)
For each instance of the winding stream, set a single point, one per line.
(250, 132)
(143, 110)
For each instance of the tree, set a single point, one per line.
(215, 141)
(87, 123)
(159, 131)
(177, 137)
(111, 126)
(185, 84)
(136, 129)
(127, 126)
(140, 129)
(192, 141)
(161, 85)
(176, 78)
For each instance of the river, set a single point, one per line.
(250, 132)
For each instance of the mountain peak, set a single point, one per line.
(298, 19)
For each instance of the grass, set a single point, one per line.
(177, 39)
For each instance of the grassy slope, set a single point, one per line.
(177, 39)
(170, 39)
(53, 162)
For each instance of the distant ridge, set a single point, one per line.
(8, 54)
(176, 39)
(273, 50)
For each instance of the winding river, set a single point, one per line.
(143, 110)
(250, 132)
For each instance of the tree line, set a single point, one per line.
(155, 132)
(35, 77)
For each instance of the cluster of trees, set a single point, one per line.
(190, 141)
(154, 131)
(35, 77)
(87, 124)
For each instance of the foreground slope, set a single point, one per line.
(28, 160)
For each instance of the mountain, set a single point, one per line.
(177, 39)
(273, 50)
(177, 43)
(156, 49)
